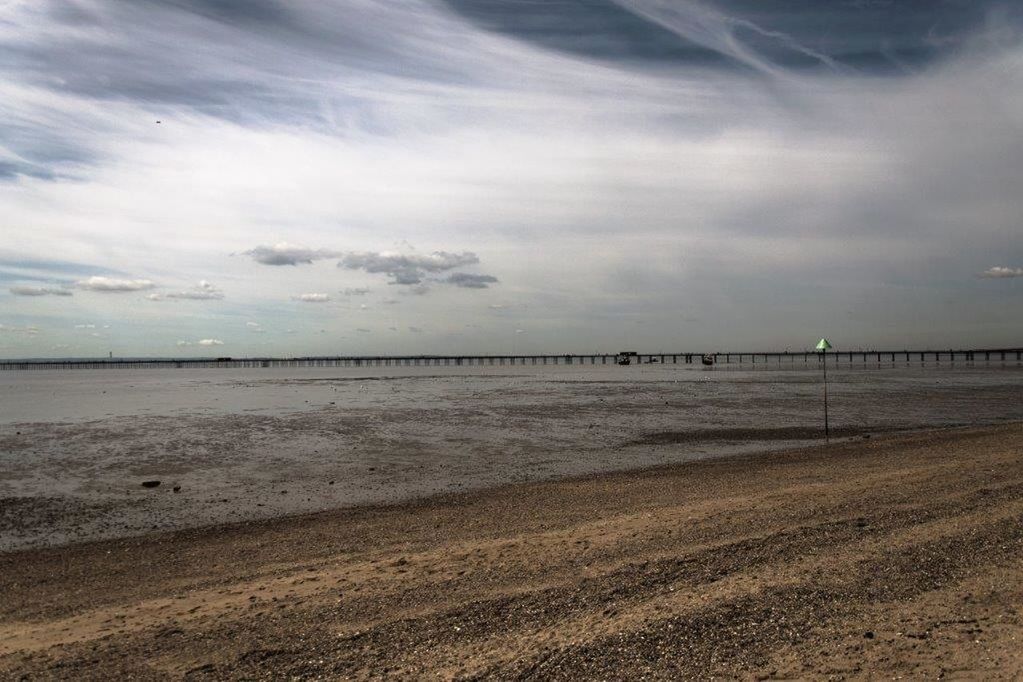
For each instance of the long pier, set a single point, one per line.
(848, 358)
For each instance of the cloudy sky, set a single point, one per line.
(271, 177)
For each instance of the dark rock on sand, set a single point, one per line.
(150, 484)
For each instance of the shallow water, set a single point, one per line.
(256, 443)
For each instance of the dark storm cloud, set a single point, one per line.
(592, 28)
(868, 35)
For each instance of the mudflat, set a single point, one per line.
(252, 445)
(893, 555)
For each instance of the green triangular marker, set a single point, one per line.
(823, 344)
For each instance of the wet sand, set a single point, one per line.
(898, 555)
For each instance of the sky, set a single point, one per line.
(332, 177)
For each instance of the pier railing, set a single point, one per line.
(861, 357)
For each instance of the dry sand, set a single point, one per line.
(895, 556)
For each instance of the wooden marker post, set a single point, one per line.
(823, 345)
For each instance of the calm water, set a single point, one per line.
(928, 395)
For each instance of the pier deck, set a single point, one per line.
(862, 357)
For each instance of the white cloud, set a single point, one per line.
(25, 290)
(312, 298)
(203, 291)
(283, 253)
(183, 344)
(999, 272)
(85, 326)
(113, 285)
(211, 342)
(406, 268)
(254, 325)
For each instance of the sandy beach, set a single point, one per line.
(895, 555)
